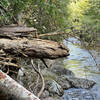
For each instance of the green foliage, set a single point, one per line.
(84, 17)
(45, 15)
(12, 9)
(76, 10)
(92, 20)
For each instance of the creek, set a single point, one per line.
(83, 65)
(80, 62)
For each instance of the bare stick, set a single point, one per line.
(41, 76)
(44, 62)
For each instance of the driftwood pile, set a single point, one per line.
(23, 42)
(35, 48)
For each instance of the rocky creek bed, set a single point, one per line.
(72, 78)
(65, 79)
(57, 80)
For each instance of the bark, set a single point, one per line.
(36, 48)
(17, 29)
(11, 90)
(12, 32)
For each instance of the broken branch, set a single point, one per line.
(41, 76)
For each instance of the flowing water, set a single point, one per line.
(83, 65)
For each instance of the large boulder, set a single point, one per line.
(54, 88)
(52, 98)
(80, 82)
(65, 84)
(59, 70)
(79, 94)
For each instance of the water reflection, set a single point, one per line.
(82, 64)
(80, 60)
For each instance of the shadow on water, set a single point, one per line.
(83, 65)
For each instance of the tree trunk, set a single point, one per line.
(11, 90)
(36, 48)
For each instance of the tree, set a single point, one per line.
(45, 15)
(84, 17)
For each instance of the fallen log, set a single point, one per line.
(17, 29)
(11, 90)
(12, 32)
(36, 48)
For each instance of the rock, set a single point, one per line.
(80, 82)
(45, 94)
(52, 98)
(48, 74)
(54, 88)
(62, 71)
(20, 73)
(79, 94)
(59, 79)
(65, 84)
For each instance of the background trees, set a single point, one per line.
(81, 17)
(45, 15)
(84, 17)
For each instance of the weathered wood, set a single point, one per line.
(18, 29)
(52, 34)
(9, 64)
(13, 32)
(11, 90)
(5, 59)
(10, 35)
(2, 53)
(36, 48)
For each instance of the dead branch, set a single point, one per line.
(9, 64)
(5, 59)
(52, 34)
(41, 76)
(44, 62)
